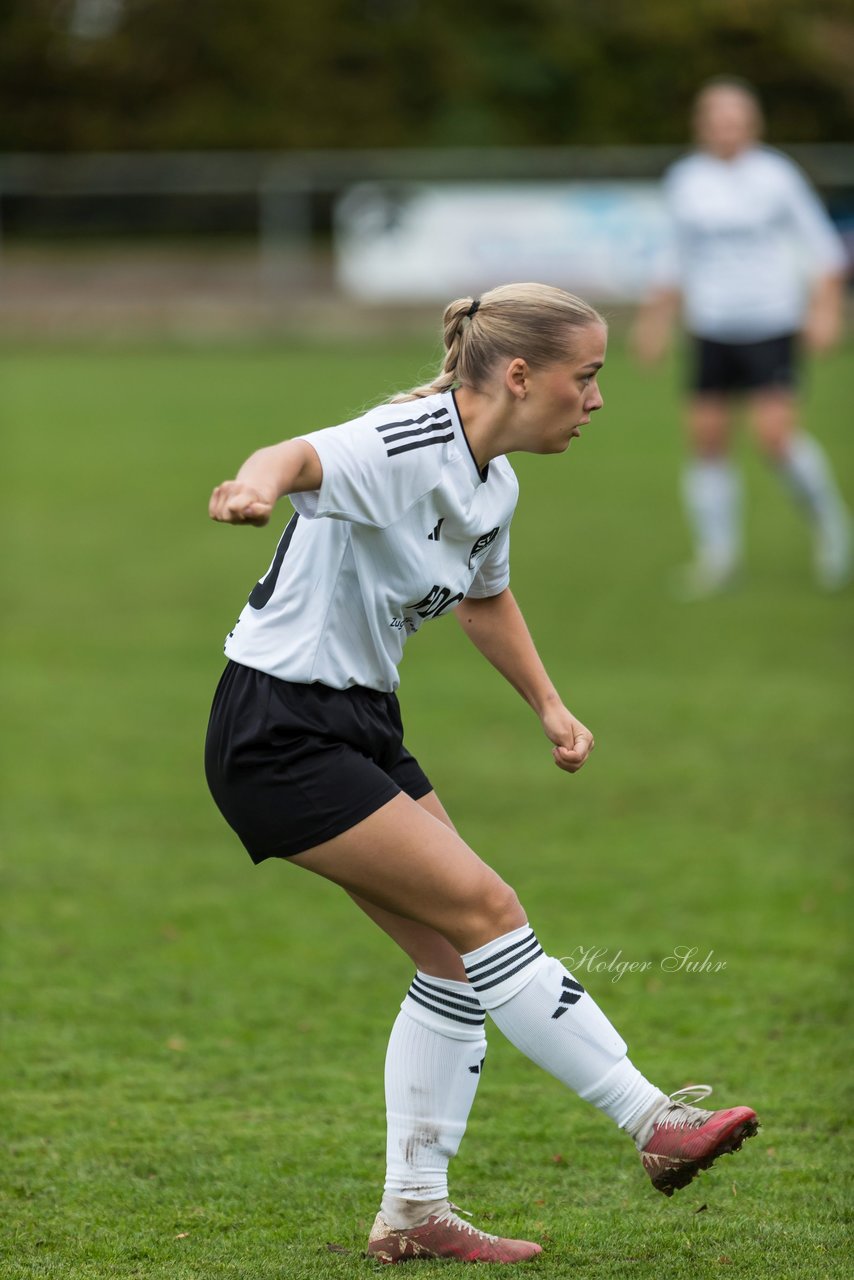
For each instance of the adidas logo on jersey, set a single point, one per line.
(437, 532)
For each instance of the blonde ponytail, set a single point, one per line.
(456, 313)
(533, 321)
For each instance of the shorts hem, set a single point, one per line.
(418, 793)
(290, 848)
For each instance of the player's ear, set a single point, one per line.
(516, 378)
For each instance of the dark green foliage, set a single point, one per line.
(281, 74)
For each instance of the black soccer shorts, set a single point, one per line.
(291, 765)
(744, 366)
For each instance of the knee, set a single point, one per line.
(773, 420)
(708, 429)
(505, 910)
(497, 910)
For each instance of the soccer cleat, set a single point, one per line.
(678, 1140)
(444, 1235)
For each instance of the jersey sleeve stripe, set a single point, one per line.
(415, 422)
(419, 444)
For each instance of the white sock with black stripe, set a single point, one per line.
(433, 1064)
(548, 1015)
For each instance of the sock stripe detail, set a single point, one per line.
(426, 988)
(525, 951)
(443, 1013)
(444, 1006)
(486, 986)
(490, 960)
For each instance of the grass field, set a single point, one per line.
(193, 1048)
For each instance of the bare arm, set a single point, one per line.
(823, 324)
(290, 467)
(496, 627)
(652, 330)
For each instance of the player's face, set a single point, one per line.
(726, 121)
(563, 396)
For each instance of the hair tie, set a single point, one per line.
(474, 306)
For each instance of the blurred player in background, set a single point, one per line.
(757, 268)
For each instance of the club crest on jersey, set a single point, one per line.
(485, 540)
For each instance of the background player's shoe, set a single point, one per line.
(444, 1235)
(677, 1140)
(706, 576)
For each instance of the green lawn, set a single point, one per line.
(193, 1047)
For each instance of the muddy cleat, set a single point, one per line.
(679, 1140)
(444, 1235)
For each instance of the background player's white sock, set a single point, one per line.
(711, 491)
(546, 1013)
(807, 471)
(433, 1064)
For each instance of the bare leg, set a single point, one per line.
(408, 862)
(773, 417)
(427, 949)
(432, 1069)
(709, 425)
(414, 875)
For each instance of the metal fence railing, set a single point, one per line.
(290, 191)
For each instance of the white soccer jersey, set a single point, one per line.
(749, 234)
(403, 527)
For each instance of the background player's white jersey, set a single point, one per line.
(749, 234)
(403, 527)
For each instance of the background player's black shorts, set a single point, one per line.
(292, 765)
(744, 366)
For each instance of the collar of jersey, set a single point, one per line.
(483, 475)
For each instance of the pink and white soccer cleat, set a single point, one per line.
(679, 1140)
(444, 1235)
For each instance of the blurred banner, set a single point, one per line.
(401, 242)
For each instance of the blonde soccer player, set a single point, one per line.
(402, 515)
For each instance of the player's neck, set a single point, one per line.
(728, 155)
(483, 422)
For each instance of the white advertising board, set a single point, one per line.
(403, 242)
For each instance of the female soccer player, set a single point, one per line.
(757, 265)
(403, 515)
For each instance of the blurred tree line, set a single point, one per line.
(279, 74)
